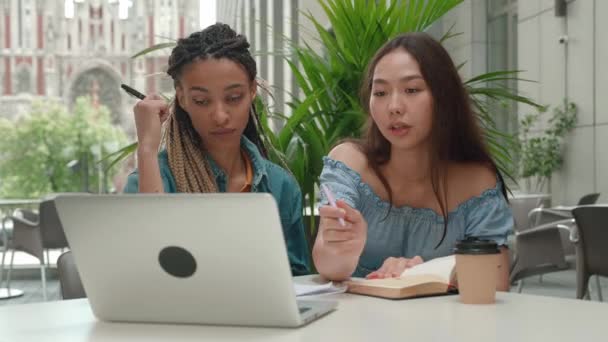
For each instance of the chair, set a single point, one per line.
(25, 216)
(539, 250)
(35, 234)
(548, 244)
(521, 207)
(538, 243)
(69, 279)
(589, 199)
(592, 247)
(7, 235)
(545, 215)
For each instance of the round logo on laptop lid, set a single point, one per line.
(177, 261)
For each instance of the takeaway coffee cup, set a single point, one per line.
(477, 270)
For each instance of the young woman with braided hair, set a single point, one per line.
(212, 141)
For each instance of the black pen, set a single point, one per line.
(132, 91)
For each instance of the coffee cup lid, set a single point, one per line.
(473, 245)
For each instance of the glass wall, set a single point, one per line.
(502, 55)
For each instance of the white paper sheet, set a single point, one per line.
(318, 289)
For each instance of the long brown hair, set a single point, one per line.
(455, 134)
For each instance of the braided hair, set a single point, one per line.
(184, 145)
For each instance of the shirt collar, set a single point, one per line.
(257, 163)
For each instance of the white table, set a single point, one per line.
(515, 317)
(7, 206)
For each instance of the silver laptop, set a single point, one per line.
(185, 258)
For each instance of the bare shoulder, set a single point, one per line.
(350, 154)
(472, 179)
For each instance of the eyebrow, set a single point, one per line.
(205, 90)
(402, 79)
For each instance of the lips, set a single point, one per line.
(223, 131)
(399, 129)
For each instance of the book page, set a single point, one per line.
(436, 270)
(429, 278)
(399, 283)
(441, 267)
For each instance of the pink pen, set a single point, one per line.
(332, 201)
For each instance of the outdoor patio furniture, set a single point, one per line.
(592, 247)
(543, 215)
(35, 234)
(537, 247)
(548, 243)
(7, 207)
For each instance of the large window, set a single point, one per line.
(502, 55)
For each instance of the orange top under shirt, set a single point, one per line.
(249, 171)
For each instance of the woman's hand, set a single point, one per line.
(337, 249)
(343, 240)
(393, 267)
(150, 113)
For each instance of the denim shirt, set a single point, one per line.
(406, 231)
(267, 177)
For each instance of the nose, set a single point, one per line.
(396, 104)
(220, 115)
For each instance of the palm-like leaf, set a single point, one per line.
(116, 157)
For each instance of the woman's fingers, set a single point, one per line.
(352, 215)
(394, 267)
(331, 212)
(417, 260)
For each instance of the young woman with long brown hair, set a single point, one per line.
(421, 178)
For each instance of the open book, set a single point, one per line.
(430, 278)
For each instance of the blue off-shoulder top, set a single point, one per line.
(407, 231)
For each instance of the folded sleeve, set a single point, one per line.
(341, 180)
(489, 218)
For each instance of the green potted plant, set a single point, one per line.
(540, 154)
